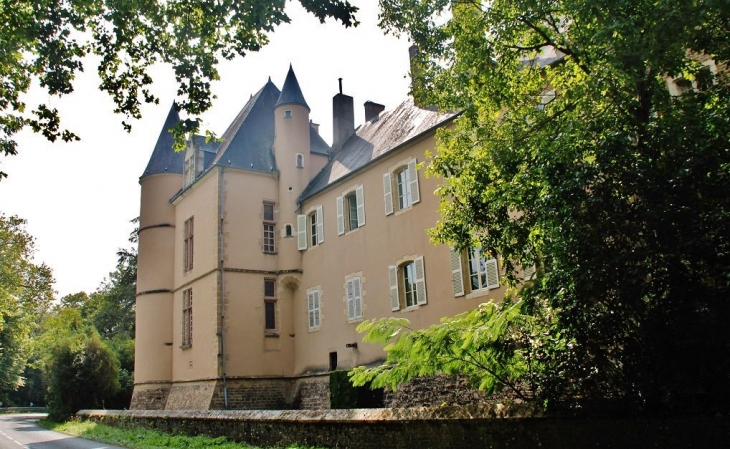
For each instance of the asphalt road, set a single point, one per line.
(23, 431)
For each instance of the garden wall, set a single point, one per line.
(445, 427)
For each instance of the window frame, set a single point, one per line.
(314, 308)
(269, 228)
(401, 186)
(397, 278)
(270, 305)
(351, 210)
(309, 224)
(353, 298)
(187, 319)
(188, 244)
(462, 278)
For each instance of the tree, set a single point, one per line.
(82, 373)
(25, 293)
(570, 153)
(46, 40)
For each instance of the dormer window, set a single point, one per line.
(300, 160)
(287, 113)
(189, 170)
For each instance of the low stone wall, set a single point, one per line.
(443, 428)
(434, 391)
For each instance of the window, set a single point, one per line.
(300, 160)
(333, 361)
(351, 211)
(310, 228)
(287, 113)
(269, 305)
(407, 284)
(269, 225)
(354, 298)
(313, 308)
(187, 316)
(483, 271)
(188, 244)
(403, 182)
(287, 230)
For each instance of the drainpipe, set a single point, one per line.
(222, 332)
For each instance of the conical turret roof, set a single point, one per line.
(164, 158)
(291, 93)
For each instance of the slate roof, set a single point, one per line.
(374, 139)
(164, 158)
(317, 145)
(248, 141)
(291, 93)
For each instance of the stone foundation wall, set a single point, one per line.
(253, 394)
(313, 393)
(191, 396)
(443, 427)
(150, 397)
(435, 391)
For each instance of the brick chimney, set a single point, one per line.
(343, 117)
(372, 110)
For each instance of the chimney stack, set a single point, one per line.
(372, 110)
(343, 117)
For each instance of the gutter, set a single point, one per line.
(221, 267)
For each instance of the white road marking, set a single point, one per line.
(11, 439)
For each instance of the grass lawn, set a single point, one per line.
(142, 438)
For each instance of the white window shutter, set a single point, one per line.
(457, 278)
(420, 282)
(413, 174)
(320, 225)
(357, 298)
(528, 272)
(393, 275)
(302, 231)
(340, 216)
(310, 308)
(388, 190)
(360, 197)
(492, 273)
(350, 300)
(317, 320)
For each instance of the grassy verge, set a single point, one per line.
(139, 438)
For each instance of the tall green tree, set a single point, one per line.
(25, 294)
(46, 40)
(570, 153)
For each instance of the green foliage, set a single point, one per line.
(343, 394)
(482, 345)
(25, 292)
(46, 40)
(82, 373)
(571, 153)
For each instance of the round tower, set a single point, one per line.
(162, 179)
(291, 151)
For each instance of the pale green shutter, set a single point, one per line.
(420, 282)
(393, 276)
(388, 190)
(413, 174)
(302, 231)
(340, 216)
(360, 197)
(457, 278)
(492, 273)
(320, 225)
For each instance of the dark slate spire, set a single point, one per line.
(164, 158)
(291, 93)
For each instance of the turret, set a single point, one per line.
(291, 150)
(162, 178)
